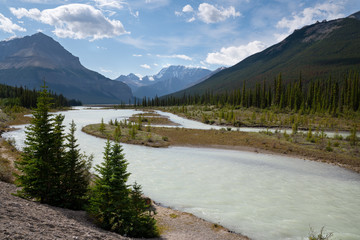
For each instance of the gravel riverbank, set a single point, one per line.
(23, 219)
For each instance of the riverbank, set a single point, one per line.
(23, 219)
(295, 145)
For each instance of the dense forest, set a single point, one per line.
(322, 95)
(20, 96)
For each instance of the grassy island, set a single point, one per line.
(127, 132)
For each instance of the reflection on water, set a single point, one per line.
(262, 196)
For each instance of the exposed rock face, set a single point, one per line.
(168, 80)
(30, 60)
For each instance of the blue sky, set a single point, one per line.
(115, 37)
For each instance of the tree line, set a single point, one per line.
(21, 96)
(53, 171)
(327, 95)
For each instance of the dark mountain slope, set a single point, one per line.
(27, 61)
(315, 51)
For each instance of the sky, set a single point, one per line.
(119, 37)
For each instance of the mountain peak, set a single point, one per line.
(37, 50)
(26, 61)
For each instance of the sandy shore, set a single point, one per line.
(22, 219)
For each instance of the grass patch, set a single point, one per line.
(217, 227)
(295, 145)
(151, 118)
(173, 215)
(128, 134)
(8, 154)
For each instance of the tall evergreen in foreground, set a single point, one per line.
(39, 174)
(51, 171)
(113, 204)
(77, 175)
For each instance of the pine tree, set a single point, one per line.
(113, 205)
(57, 164)
(102, 126)
(36, 164)
(76, 173)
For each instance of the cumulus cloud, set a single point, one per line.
(210, 14)
(78, 21)
(310, 15)
(188, 8)
(8, 26)
(145, 66)
(191, 19)
(232, 55)
(179, 56)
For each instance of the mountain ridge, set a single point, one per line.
(319, 50)
(29, 60)
(167, 80)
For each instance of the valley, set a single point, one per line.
(266, 148)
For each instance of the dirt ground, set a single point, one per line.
(23, 219)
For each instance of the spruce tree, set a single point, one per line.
(112, 204)
(36, 165)
(76, 173)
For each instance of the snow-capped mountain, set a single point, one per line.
(168, 80)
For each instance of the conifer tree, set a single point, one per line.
(36, 165)
(76, 173)
(113, 205)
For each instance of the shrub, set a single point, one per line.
(6, 171)
(320, 236)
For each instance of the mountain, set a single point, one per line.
(168, 80)
(318, 51)
(27, 61)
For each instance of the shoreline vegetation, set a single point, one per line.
(310, 145)
(341, 151)
(172, 224)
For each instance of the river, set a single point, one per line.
(259, 195)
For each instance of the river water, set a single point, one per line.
(262, 196)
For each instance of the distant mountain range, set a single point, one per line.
(27, 61)
(318, 51)
(168, 80)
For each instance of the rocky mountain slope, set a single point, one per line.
(318, 51)
(168, 80)
(30, 60)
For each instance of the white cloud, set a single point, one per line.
(78, 21)
(145, 66)
(191, 19)
(101, 48)
(310, 15)
(179, 56)
(137, 55)
(232, 55)
(188, 8)
(118, 4)
(8, 26)
(210, 14)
